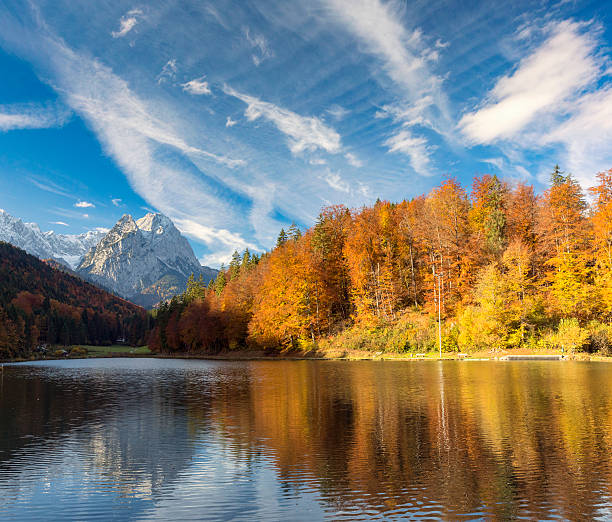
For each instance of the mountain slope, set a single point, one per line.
(65, 248)
(146, 261)
(39, 304)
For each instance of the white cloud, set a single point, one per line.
(260, 46)
(364, 190)
(84, 204)
(407, 60)
(86, 216)
(586, 136)
(556, 97)
(218, 258)
(222, 241)
(335, 181)
(127, 23)
(337, 112)
(523, 172)
(229, 122)
(415, 147)
(353, 160)
(304, 132)
(379, 26)
(102, 229)
(558, 69)
(116, 201)
(168, 71)
(317, 161)
(60, 223)
(410, 114)
(197, 86)
(32, 116)
(498, 163)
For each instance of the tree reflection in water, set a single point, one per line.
(273, 439)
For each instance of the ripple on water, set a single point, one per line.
(171, 439)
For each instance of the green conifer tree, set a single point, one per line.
(234, 267)
(220, 281)
(294, 232)
(282, 238)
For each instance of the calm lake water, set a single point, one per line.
(170, 439)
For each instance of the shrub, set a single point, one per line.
(600, 338)
(79, 351)
(570, 336)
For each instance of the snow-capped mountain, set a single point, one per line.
(65, 248)
(146, 261)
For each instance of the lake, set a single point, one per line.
(305, 440)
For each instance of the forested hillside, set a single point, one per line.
(501, 266)
(40, 304)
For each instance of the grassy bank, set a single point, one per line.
(115, 350)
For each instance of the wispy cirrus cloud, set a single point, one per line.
(32, 116)
(62, 223)
(353, 160)
(415, 147)
(406, 59)
(337, 112)
(197, 86)
(354, 189)
(304, 133)
(335, 181)
(116, 202)
(127, 22)
(168, 71)
(49, 186)
(259, 44)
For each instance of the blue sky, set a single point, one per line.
(237, 117)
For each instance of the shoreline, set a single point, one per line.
(346, 355)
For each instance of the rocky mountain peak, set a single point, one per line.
(156, 222)
(146, 260)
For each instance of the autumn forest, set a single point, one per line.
(499, 266)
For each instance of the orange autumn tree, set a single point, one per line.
(563, 243)
(601, 220)
(284, 309)
(444, 233)
(371, 251)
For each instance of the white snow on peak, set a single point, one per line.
(66, 248)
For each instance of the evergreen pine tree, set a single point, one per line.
(234, 267)
(220, 282)
(557, 176)
(282, 238)
(246, 259)
(294, 232)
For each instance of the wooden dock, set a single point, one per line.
(536, 357)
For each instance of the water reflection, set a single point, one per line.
(194, 439)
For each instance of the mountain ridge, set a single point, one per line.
(65, 248)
